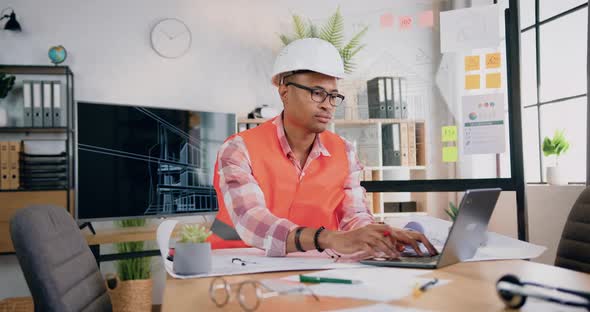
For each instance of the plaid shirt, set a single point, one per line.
(244, 199)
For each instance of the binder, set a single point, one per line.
(397, 98)
(389, 102)
(47, 99)
(391, 145)
(404, 144)
(404, 97)
(14, 149)
(376, 97)
(28, 103)
(37, 102)
(4, 166)
(411, 144)
(397, 154)
(57, 107)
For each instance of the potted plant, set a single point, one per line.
(6, 84)
(452, 211)
(333, 32)
(556, 146)
(131, 289)
(192, 254)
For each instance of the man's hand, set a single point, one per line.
(373, 239)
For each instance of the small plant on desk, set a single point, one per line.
(452, 211)
(192, 254)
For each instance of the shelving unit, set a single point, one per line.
(14, 199)
(371, 154)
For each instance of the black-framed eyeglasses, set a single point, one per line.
(319, 95)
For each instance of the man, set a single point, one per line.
(289, 185)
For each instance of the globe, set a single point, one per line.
(57, 54)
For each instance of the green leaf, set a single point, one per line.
(556, 146)
(312, 30)
(548, 148)
(136, 268)
(300, 27)
(333, 30)
(286, 40)
(356, 40)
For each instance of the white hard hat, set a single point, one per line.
(308, 54)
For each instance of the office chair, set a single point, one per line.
(573, 251)
(59, 268)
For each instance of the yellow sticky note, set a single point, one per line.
(472, 62)
(449, 134)
(493, 81)
(493, 60)
(471, 82)
(450, 154)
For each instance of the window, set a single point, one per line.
(553, 73)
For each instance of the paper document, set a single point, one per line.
(254, 259)
(378, 284)
(497, 247)
(471, 28)
(484, 130)
(381, 307)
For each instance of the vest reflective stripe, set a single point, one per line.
(314, 200)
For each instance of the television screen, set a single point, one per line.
(137, 161)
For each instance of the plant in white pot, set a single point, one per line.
(556, 146)
(192, 254)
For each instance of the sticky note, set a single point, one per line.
(493, 60)
(472, 62)
(471, 82)
(386, 20)
(450, 154)
(493, 80)
(426, 19)
(449, 134)
(405, 22)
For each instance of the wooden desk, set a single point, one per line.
(472, 289)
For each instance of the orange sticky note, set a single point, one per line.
(472, 62)
(493, 60)
(493, 80)
(405, 22)
(472, 82)
(386, 20)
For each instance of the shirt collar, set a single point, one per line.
(317, 149)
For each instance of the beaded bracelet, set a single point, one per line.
(315, 239)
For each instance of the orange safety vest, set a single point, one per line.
(313, 201)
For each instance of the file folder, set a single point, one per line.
(57, 107)
(389, 98)
(37, 102)
(404, 97)
(47, 99)
(391, 144)
(376, 97)
(397, 98)
(28, 103)
(14, 149)
(4, 166)
(404, 144)
(411, 144)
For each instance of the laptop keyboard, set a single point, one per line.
(419, 259)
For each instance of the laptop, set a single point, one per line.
(466, 234)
